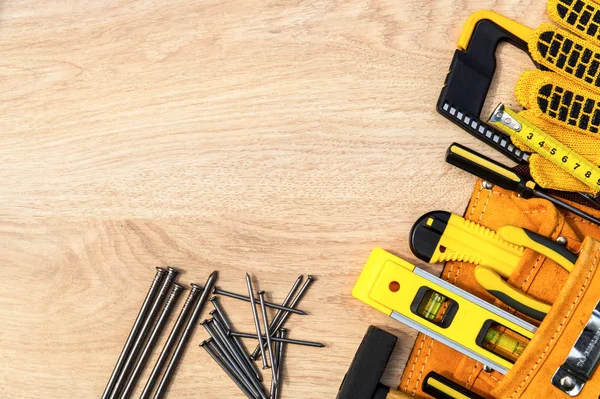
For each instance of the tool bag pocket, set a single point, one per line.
(564, 351)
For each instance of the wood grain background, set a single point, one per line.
(274, 137)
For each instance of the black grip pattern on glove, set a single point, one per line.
(571, 57)
(581, 16)
(574, 109)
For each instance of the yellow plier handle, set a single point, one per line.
(441, 236)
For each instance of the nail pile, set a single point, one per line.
(227, 350)
(151, 320)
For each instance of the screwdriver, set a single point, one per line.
(502, 176)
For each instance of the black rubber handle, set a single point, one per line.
(487, 169)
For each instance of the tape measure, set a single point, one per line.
(547, 146)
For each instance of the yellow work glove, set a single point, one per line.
(564, 103)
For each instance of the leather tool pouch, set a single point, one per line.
(566, 347)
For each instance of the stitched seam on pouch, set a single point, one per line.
(511, 196)
(414, 392)
(581, 220)
(472, 372)
(575, 301)
(414, 363)
(534, 212)
(531, 271)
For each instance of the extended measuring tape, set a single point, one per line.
(547, 146)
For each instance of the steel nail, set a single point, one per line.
(280, 313)
(218, 291)
(226, 369)
(227, 355)
(185, 336)
(286, 340)
(284, 317)
(160, 362)
(274, 383)
(139, 342)
(139, 320)
(219, 314)
(225, 343)
(263, 310)
(240, 355)
(256, 323)
(282, 334)
(154, 334)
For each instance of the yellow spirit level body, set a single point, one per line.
(392, 285)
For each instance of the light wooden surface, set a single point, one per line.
(274, 137)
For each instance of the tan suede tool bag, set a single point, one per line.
(559, 362)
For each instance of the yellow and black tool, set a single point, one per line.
(471, 73)
(441, 387)
(442, 311)
(441, 236)
(500, 175)
(474, 64)
(547, 146)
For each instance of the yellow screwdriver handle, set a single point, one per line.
(539, 244)
(514, 298)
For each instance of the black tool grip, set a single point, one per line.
(445, 384)
(518, 306)
(362, 379)
(483, 167)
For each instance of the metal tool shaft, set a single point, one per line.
(185, 336)
(218, 291)
(154, 334)
(171, 340)
(566, 206)
(137, 324)
(263, 310)
(226, 369)
(286, 340)
(139, 342)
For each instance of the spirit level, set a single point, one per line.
(442, 311)
(547, 146)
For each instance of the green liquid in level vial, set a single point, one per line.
(504, 344)
(434, 305)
